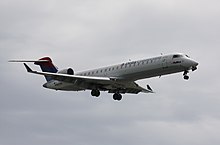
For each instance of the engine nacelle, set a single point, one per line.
(68, 71)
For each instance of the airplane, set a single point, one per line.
(117, 79)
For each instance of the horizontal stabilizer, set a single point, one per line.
(28, 61)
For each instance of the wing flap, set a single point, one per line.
(130, 87)
(138, 88)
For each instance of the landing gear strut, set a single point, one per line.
(117, 96)
(185, 76)
(95, 93)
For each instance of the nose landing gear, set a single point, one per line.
(185, 76)
(194, 68)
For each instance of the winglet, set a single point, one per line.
(27, 68)
(149, 88)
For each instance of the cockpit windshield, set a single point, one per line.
(177, 56)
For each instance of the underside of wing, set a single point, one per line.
(92, 82)
(130, 87)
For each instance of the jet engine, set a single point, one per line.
(68, 71)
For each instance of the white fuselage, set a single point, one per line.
(152, 67)
(132, 71)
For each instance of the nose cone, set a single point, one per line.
(194, 63)
(190, 64)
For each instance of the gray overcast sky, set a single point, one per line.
(88, 34)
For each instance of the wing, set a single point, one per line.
(112, 85)
(129, 87)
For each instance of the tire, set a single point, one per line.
(95, 93)
(117, 96)
(186, 77)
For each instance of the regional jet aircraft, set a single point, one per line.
(117, 79)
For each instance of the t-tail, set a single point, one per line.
(46, 66)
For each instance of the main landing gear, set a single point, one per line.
(185, 76)
(116, 96)
(95, 93)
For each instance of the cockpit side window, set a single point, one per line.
(187, 56)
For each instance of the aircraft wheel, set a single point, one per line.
(186, 77)
(117, 96)
(95, 93)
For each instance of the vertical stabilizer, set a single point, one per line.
(47, 66)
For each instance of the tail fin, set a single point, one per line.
(46, 66)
